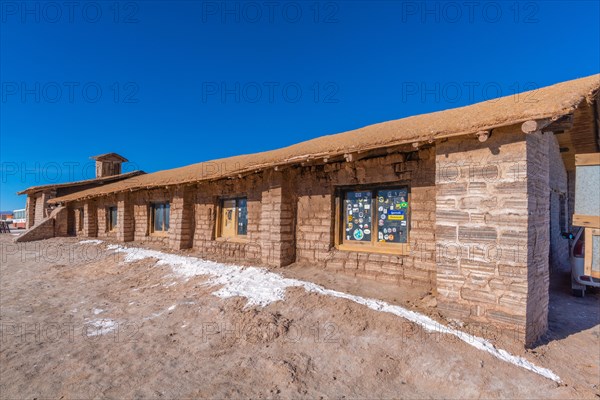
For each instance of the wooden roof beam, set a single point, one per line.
(535, 125)
(562, 124)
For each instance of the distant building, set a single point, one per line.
(108, 170)
(6, 215)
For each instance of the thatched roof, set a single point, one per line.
(549, 102)
(95, 181)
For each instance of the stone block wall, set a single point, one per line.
(102, 205)
(206, 200)
(277, 219)
(125, 218)
(482, 229)
(493, 229)
(182, 219)
(316, 191)
(90, 218)
(40, 208)
(30, 211)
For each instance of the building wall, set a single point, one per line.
(480, 233)
(493, 229)
(206, 199)
(559, 201)
(482, 229)
(101, 205)
(316, 217)
(40, 208)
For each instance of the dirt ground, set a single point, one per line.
(78, 323)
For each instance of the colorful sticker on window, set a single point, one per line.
(357, 216)
(392, 207)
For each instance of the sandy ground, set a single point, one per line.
(78, 323)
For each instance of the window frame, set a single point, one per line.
(219, 219)
(374, 246)
(151, 209)
(109, 225)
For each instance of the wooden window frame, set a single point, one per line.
(374, 246)
(151, 230)
(109, 226)
(219, 219)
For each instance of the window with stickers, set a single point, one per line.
(373, 219)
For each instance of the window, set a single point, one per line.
(234, 218)
(111, 218)
(160, 215)
(374, 219)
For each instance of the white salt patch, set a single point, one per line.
(261, 287)
(97, 311)
(101, 327)
(92, 241)
(158, 314)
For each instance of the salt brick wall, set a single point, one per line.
(102, 204)
(492, 229)
(125, 221)
(206, 199)
(30, 210)
(90, 219)
(482, 229)
(316, 219)
(40, 207)
(140, 202)
(545, 174)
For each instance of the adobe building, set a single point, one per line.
(469, 203)
(108, 169)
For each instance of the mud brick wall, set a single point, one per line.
(77, 221)
(90, 218)
(125, 221)
(141, 202)
(206, 198)
(316, 218)
(30, 210)
(40, 207)
(102, 204)
(277, 218)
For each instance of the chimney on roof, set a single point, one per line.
(108, 164)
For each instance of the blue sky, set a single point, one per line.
(173, 83)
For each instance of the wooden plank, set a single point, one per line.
(587, 159)
(590, 221)
(588, 258)
(398, 249)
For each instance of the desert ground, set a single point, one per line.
(81, 321)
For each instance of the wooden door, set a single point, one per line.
(228, 223)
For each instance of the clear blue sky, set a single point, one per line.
(173, 83)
